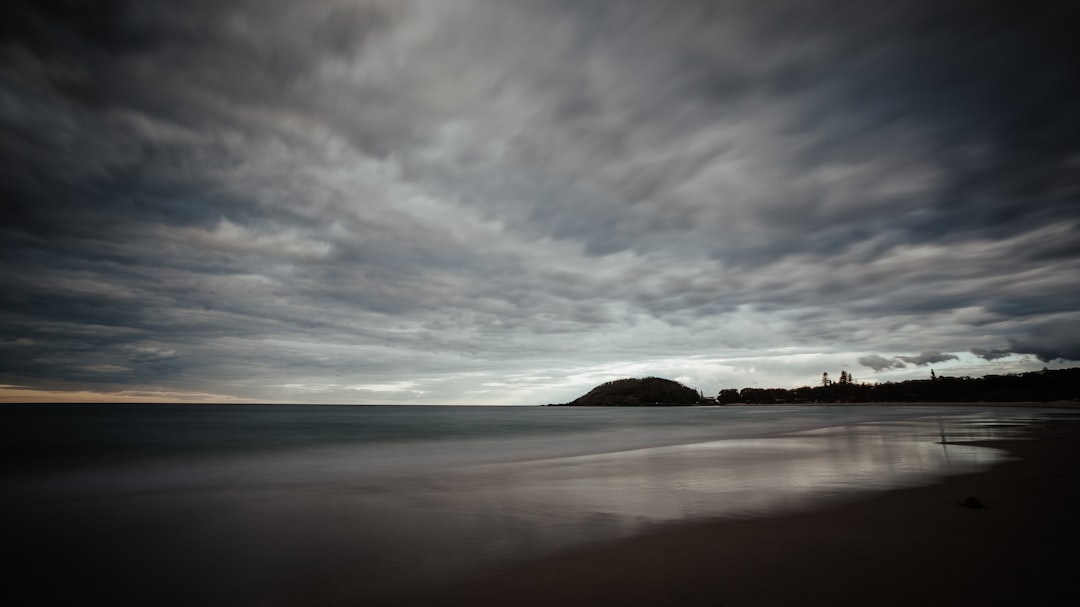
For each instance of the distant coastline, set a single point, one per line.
(1056, 404)
(1046, 388)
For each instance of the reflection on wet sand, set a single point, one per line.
(365, 534)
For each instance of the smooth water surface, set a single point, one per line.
(302, 504)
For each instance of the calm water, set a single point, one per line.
(284, 505)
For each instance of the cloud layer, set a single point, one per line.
(506, 202)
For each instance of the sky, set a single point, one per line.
(509, 202)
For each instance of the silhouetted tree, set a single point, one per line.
(730, 395)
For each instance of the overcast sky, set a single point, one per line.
(508, 202)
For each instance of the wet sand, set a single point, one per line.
(906, 547)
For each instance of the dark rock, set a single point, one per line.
(639, 392)
(973, 502)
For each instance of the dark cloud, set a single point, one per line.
(928, 358)
(880, 363)
(1054, 340)
(281, 201)
(991, 353)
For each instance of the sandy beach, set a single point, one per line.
(709, 506)
(917, 546)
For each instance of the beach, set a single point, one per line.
(911, 546)
(334, 506)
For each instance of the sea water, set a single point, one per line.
(251, 504)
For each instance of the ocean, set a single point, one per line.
(309, 505)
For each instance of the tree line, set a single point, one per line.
(1035, 386)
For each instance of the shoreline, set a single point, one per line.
(899, 547)
(1053, 404)
(1026, 404)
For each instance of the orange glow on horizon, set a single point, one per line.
(19, 394)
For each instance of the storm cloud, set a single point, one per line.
(928, 358)
(880, 363)
(507, 202)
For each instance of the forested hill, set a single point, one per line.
(1036, 386)
(634, 392)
